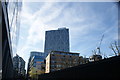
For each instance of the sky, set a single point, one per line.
(87, 22)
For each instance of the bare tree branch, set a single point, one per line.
(112, 47)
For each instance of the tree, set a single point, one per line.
(115, 48)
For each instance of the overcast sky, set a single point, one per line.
(87, 22)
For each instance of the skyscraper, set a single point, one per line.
(10, 31)
(57, 40)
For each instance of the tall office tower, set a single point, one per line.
(33, 54)
(10, 31)
(57, 40)
(19, 66)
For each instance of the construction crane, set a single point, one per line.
(97, 55)
(98, 48)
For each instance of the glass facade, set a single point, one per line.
(10, 34)
(14, 11)
(35, 53)
(57, 40)
(35, 59)
(36, 66)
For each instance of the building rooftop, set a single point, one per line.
(64, 28)
(64, 52)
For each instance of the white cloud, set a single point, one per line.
(45, 19)
(37, 27)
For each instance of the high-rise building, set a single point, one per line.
(57, 60)
(10, 31)
(32, 55)
(57, 40)
(19, 66)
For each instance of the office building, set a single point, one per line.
(57, 60)
(31, 59)
(10, 31)
(37, 67)
(56, 40)
(19, 66)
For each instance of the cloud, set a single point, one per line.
(36, 28)
(86, 25)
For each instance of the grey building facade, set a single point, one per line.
(56, 40)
